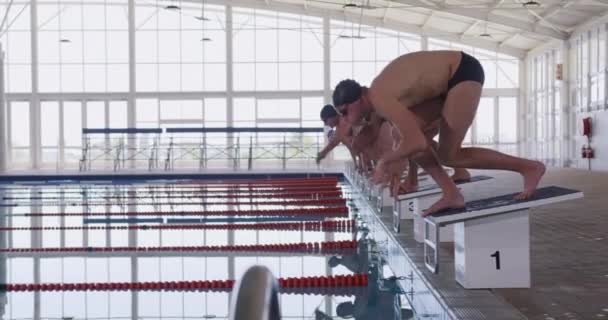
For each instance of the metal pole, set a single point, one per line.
(235, 158)
(35, 99)
(229, 73)
(250, 160)
(3, 122)
(284, 152)
(131, 110)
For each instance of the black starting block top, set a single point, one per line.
(434, 188)
(504, 204)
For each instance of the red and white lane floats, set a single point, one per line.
(287, 285)
(250, 184)
(341, 211)
(245, 201)
(326, 247)
(346, 226)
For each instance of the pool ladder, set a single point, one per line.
(256, 296)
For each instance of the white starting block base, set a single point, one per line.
(446, 233)
(493, 252)
(491, 238)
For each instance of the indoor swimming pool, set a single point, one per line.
(170, 249)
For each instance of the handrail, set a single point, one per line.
(243, 129)
(256, 296)
(120, 130)
(201, 130)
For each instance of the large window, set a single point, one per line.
(180, 50)
(276, 51)
(83, 47)
(361, 52)
(278, 78)
(16, 42)
(19, 133)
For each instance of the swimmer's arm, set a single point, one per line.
(412, 138)
(353, 156)
(412, 173)
(333, 143)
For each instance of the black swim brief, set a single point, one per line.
(469, 69)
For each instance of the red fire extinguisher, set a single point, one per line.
(587, 127)
(587, 152)
(584, 152)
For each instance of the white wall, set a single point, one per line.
(584, 92)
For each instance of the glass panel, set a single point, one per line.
(181, 110)
(278, 109)
(311, 109)
(215, 112)
(484, 121)
(49, 121)
(507, 115)
(20, 124)
(96, 114)
(72, 123)
(118, 114)
(244, 110)
(147, 113)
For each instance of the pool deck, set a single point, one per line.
(569, 256)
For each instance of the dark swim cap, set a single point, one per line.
(346, 92)
(328, 112)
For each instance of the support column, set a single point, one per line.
(327, 85)
(3, 122)
(229, 83)
(565, 114)
(522, 108)
(35, 122)
(131, 114)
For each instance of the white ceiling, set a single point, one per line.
(506, 25)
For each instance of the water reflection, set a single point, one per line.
(382, 295)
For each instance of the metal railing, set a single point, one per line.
(256, 296)
(198, 147)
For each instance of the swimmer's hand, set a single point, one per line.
(379, 175)
(319, 157)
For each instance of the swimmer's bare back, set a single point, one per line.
(417, 77)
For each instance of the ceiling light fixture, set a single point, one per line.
(350, 5)
(531, 4)
(65, 40)
(344, 36)
(205, 39)
(201, 18)
(172, 7)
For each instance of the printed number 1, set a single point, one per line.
(497, 256)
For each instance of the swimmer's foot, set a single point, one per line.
(407, 187)
(461, 174)
(446, 202)
(532, 176)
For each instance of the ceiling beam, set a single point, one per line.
(511, 37)
(486, 15)
(469, 28)
(371, 21)
(551, 11)
(427, 20)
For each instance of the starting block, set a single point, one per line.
(384, 201)
(410, 206)
(491, 238)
